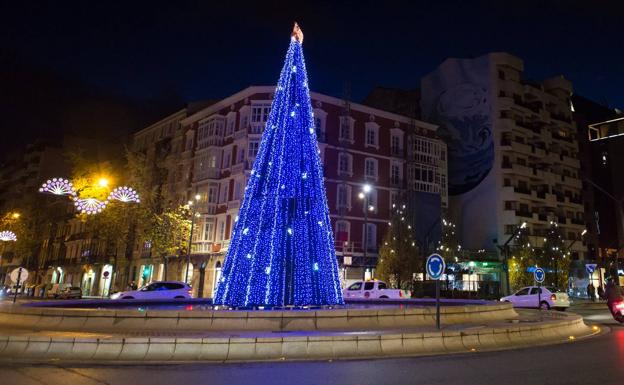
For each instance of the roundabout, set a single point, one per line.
(397, 329)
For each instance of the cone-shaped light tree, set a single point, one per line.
(282, 250)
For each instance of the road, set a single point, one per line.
(597, 360)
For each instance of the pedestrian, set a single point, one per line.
(601, 293)
(591, 291)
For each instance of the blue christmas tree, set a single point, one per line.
(282, 250)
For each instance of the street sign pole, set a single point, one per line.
(438, 304)
(435, 267)
(19, 276)
(539, 275)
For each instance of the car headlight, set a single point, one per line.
(115, 296)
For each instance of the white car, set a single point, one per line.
(530, 296)
(158, 290)
(374, 290)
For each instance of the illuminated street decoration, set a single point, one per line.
(282, 251)
(90, 206)
(124, 194)
(7, 236)
(58, 186)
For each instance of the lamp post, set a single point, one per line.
(190, 241)
(566, 251)
(364, 195)
(505, 250)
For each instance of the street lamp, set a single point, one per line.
(188, 252)
(505, 250)
(567, 251)
(364, 195)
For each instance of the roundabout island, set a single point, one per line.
(407, 328)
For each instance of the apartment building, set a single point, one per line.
(213, 151)
(513, 153)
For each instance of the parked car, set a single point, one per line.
(72, 292)
(550, 297)
(158, 290)
(373, 290)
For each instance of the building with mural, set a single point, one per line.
(512, 151)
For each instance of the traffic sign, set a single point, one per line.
(590, 268)
(106, 274)
(435, 266)
(539, 274)
(16, 275)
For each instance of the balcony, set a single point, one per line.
(208, 173)
(522, 190)
(560, 117)
(238, 168)
(240, 134)
(524, 214)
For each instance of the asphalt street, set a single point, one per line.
(597, 360)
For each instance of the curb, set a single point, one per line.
(318, 347)
(114, 321)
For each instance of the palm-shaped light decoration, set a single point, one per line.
(90, 206)
(58, 186)
(7, 236)
(124, 194)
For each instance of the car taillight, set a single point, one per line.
(553, 297)
(401, 293)
(619, 306)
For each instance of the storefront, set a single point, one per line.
(146, 274)
(88, 280)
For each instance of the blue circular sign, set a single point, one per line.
(435, 266)
(539, 274)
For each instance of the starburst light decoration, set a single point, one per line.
(7, 236)
(124, 194)
(58, 186)
(90, 206)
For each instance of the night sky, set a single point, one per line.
(211, 49)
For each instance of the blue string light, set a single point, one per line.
(282, 250)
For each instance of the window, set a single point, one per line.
(395, 174)
(225, 191)
(372, 131)
(319, 123)
(208, 231)
(212, 195)
(237, 190)
(371, 236)
(535, 291)
(343, 196)
(369, 285)
(344, 164)
(395, 145)
(370, 168)
(241, 155)
(346, 128)
(524, 291)
(221, 230)
(260, 112)
(253, 148)
(343, 230)
(355, 286)
(381, 286)
(226, 159)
